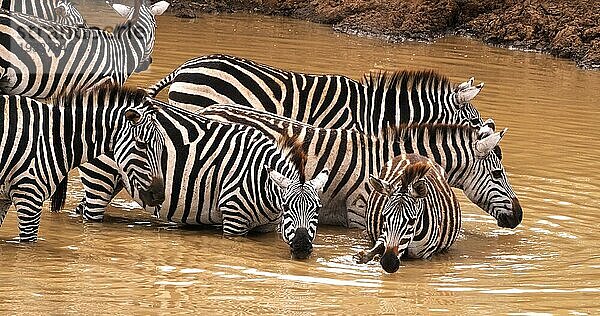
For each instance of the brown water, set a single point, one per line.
(550, 264)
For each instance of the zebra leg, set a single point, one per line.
(234, 223)
(29, 212)
(364, 257)
(4, 206)
(101, 182)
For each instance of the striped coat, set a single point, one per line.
(47, 58)
(412, 211)
(40, 143)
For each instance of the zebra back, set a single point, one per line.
(412, 210)
(381, 100)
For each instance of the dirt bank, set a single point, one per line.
(569, 29)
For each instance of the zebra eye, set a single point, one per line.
(497, 173)
(140, 144)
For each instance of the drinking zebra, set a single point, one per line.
(470, 157)
(44, 58)
(412, 212)
(61, 11)
(331, 101)
(234, 176)
(41, 143)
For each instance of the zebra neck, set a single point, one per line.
(81, 132)
(450, 147)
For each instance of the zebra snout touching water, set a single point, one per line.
(412, 212)
(40, 143)
(45, 58)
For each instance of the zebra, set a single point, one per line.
(470, 157)
(234, 176)
(381, 100)
(40, 143)
(412, 212)
(44, 58)
(61, 11)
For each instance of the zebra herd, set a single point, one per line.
(241, 145)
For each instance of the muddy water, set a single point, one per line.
(131, 264)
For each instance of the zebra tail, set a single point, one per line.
(157, 87)
(60, 196)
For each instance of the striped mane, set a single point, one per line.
(122, 92)
(398, 132)
(413, 172)
(293, 148)
(404, 80)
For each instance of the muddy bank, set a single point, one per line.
(568, 29)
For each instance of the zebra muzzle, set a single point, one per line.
(155, 195)
(390, 261)
(301, 244)
(514, 219)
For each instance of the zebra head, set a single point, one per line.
(300, 205)
(402, 206)
(140, 28)
(138, 151)
(66, 13)
(487, 184)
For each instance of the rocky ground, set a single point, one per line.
(569, 29)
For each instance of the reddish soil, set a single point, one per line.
(569, 29)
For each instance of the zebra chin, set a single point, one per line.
(155, 195)
(514, 218)
(301, 245)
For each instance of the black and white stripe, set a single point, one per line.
(234, 176)
(469, 155)
(331, 101)
(41, 143)
(412, 211)
(43, 58)
(61, 11)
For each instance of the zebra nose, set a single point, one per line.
(155, 195)
(389, 261)
(301, 245)
(143, 65)
(514, 219)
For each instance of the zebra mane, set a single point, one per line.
(123, 92)
(293, 148)
(409, 78)
(412, 172)
(397, 132)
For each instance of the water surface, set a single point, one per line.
(549, 264)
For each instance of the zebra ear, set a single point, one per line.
(484, 146)
(467, 94)
(419, 189)
(159, 7)
(464, 85)
(133, 116)
(278, 178)
(121, 9)
(380, 185)
(320, 180)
